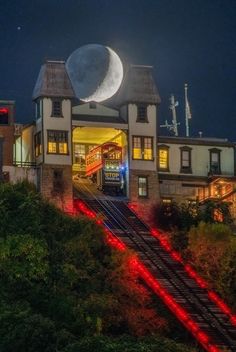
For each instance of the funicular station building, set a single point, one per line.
(115, 144)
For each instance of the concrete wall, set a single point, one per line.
(174, 190)
(99, 110)
(20, 174)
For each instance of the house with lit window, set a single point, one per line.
(115, 144)
(67, 130)
(197, 169)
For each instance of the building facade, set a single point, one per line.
(197, 170)
(55, 147)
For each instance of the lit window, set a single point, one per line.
(142, 113)
(38, 144)
(148, 149)
(166, 201)
(142, 186)
(57, 142)
(52, 147)
(56, 108)
(137, 150)
(163, 158)
(185, 157)
(79, 153)
(142, 148)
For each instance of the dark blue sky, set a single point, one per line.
(190, 41)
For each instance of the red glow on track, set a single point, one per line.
(114, 241)
(179, 311)
(223, 306)
(194, 275)
(80, 206)
(154, 284)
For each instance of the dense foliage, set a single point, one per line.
(212, 249)
(63, 289)
(172, 216)
(203, 235)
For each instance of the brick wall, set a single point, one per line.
(58, 191)
(8, 134)
(143, 205)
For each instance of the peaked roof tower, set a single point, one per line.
(138, 86)
(53, 81)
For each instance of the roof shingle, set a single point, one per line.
(138, 87)
(53, 81)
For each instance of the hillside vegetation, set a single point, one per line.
(63, 289)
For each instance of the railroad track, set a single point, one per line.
(123, 223)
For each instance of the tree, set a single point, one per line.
(60, 283)
(213, 252)
(166, 216)
(23, 257)
(216, 212)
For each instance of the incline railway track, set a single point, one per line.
(193, 301)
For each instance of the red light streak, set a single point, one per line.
(153, 283)
(180, 312)
(194, 275)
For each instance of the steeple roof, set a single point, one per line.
(53, 81)
(138, 86)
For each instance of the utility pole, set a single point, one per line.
(188, 115)
(174, 125)
(173, 105)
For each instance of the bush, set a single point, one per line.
(213, 251)
(59, 281)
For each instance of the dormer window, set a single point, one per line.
(142, 113)
(56, 108)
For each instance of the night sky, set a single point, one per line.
(191, 41)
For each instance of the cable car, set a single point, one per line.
(106, 161)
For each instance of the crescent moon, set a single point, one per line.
(111, 82)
